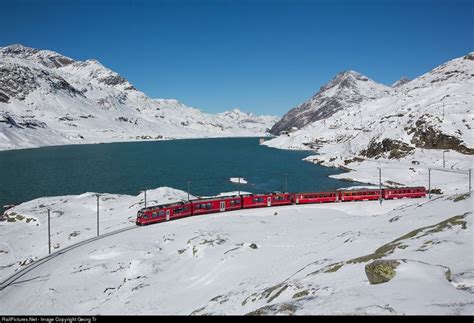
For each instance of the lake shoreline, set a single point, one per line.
(133, 166)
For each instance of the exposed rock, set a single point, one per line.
(400, 82)
(426, 136)
(285, 308)
(396, 148)
(469, 56)
(381, 271)
(4, 98)
(253, 246)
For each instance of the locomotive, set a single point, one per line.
(172, 211)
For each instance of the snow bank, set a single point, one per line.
(238, 180)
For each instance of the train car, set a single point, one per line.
(161, 213)
(404, 192)
(263, 200)
(360, 195)
(317, 197)
(216, 204)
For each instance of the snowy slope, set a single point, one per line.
(347, 90)
(286, 260)
(49, 99)
(408, 126)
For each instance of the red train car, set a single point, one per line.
(404, 192)
(318, 197)
(360, 195)
(263, 200)
(160, 213)
(216, 204)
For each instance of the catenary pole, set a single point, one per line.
(239, 185)
(189, 182)
(380, 184)
(97, 195)
(49, 231)
(429, 183)
(470, 180)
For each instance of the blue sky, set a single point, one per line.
(262, 56)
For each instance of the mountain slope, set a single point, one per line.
(50, 99)
(410, 124)
(347, 89)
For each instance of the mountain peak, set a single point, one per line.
(346, 89)
(45, 58)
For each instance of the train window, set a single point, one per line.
(237, 201)
(178, 210)
(161, 213)
(145, 217)
(208, 205)
(154, 214)
(258, 199)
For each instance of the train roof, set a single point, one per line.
(272, 193)
(213, 198)
(322, 192)
(162, 206)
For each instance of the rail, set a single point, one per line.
(13, 278)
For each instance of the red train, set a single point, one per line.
(166, 212)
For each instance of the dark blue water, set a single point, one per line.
(127, 168)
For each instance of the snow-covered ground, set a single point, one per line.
(238, 180)
(282, 260)
(50, 99)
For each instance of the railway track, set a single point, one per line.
(13, 279)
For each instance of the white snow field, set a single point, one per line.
(282, 260)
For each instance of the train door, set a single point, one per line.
(167, 215)
(269, 201)
(222, 206)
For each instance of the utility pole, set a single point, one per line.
(239, 185)
(429, 183)
(444, 161)
(189, 182)
(145, 196)
(380, 184)
(97, 195)
(49, 231)
(469, 180)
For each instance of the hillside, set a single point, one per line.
(50, 99)
(359, 125)
(400, 257)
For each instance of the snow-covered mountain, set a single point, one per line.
(347, 89)
(410, 124)
(49, 99)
